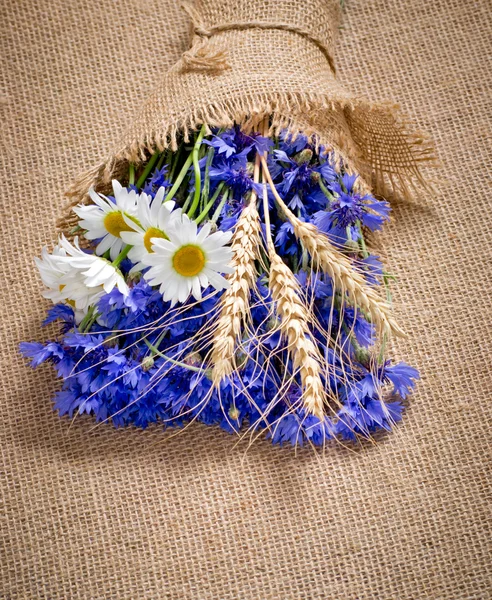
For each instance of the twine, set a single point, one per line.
(204, 57)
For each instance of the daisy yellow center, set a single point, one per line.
(152, 232)
(114, 223)
(189, 260)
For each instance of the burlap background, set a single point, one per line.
(105, 514)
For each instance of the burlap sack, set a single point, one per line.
(250, 59)
(109, 514)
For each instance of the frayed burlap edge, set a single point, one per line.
(357, 141)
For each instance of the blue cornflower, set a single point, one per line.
(365, 332)
(234, 142)
(40, 353)
(373, 268)
(236, 174)
(285, 241)
(291, 424)
(292, 145)
(299, 181)
(157, 180)
(350, 208)
(402, 376)
(363, 411)
(62, 312)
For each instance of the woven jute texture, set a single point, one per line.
(109, 514)
(255, 58)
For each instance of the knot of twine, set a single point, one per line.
(203, 56)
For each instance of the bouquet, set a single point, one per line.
(215, 267)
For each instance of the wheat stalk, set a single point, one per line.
(294, 319)
(235, 300)
(339, 267)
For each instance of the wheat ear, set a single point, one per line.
(294, 324)
(335, 264)
(235, 300)
(294, 319)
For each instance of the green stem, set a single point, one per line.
(154, 350)
(325, 190)
(362, 241)
(86, 319)
(121, 256)
(148, 168)
(387, 287)
(174, 160)
(161, 160)
(158, 341)
(131, 174)
(179, 178)
(383, 349)
(219, 208)
(187, 202)
(204, 212)
(91, 321)
(206, 180)
(196, 168)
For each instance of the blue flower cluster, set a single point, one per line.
(142, 361)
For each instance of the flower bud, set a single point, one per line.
(134, 277)
(363, 355)
(194, 359)
(351, 246)
(304, 157)
(234, 413)
(147, 363)
(241, 359)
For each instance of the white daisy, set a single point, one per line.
(153, 220)
(188, 261)
(77, 278)
(105, 219)
(53, 273)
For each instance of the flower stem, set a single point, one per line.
(179, 178)
(86, 319)
(148, 168)
(205, 211)
(121, 256)
(91, 321)
(156, 344)
(219, 208)
(154, 350)
(174, 158)
(187, 202)
(131, 174)
(362, 241)
(206, 179)
(163, 157)
(325, 190)
(196, 168)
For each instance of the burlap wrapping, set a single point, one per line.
(105, 514)
(255, 58)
